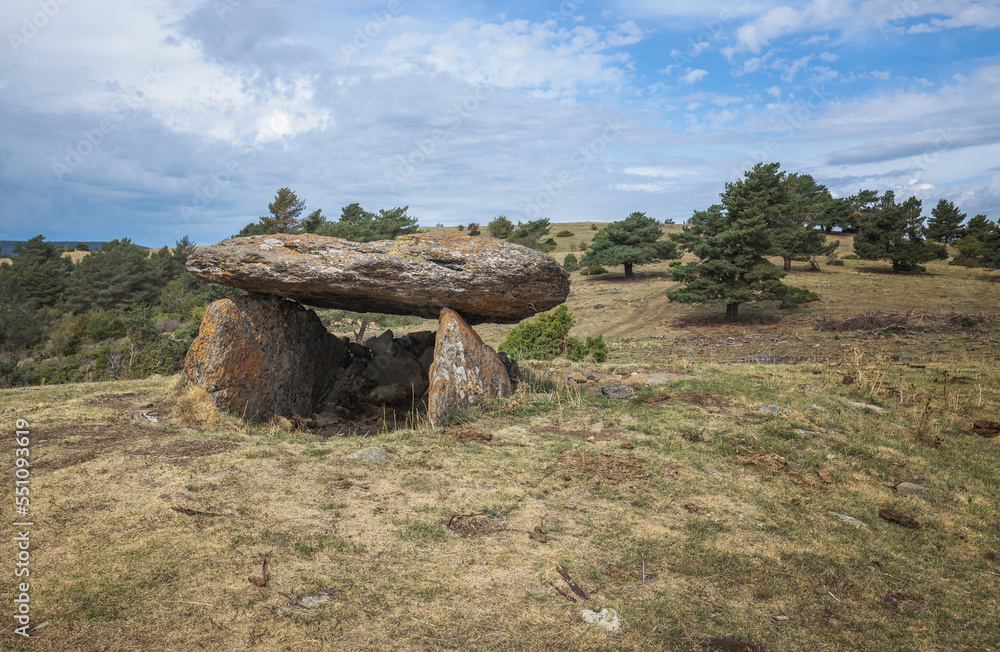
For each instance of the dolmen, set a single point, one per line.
(266, 353)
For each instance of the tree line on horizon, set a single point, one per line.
(771, 213)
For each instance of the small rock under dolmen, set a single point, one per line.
(465, 369)
(484, 280)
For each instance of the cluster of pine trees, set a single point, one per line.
(121, 311)
(355, 222)
(125, 312)
(773, 214)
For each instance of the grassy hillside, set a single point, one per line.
(733, 505)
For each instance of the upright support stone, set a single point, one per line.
(256, 354)
(465, 369)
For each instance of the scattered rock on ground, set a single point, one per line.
(617, 391)
(482, 279)
(849, 519)
(911, 489)
(373, 455)
(606, 619)
(868, 406)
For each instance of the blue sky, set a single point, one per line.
(166, 118)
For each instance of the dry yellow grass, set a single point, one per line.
(724, 487)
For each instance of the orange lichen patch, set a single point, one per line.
(465, 369)
(258, 354)
(482, 279)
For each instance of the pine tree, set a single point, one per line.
(895, 232)
(41, 270)
(795, 234)
(636, 240)
(731, 241)
(285, 211)
(945, 224)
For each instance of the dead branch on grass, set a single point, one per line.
(562, 592)
(265, 574)
(187, 511)
(572, 584)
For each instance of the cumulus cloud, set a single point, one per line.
(693, 75)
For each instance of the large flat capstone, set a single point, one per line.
(483, 280)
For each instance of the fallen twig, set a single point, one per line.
(193, 512)
(572, 584)
(454, 516)
(265, 574)
(568, 596)
(344, 483)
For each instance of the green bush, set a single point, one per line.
(104, 325)
(593, 270)
(593, 227)
(852, 257)
(836, 262)
(570, 263)
(565, 234)
(547, 336)
(474, 229)
(501, 227)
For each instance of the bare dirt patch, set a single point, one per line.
(184, 452)
(694, 398)
(763, 460)
(605, 466)
(474, 525)
(467, 433)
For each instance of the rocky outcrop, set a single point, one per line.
(256, 354)
(464, 370)
(483, 280)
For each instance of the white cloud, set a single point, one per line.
(693, 75)
(776, 22)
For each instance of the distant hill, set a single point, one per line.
(7, 246)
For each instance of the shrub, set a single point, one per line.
(593, 270)
(547, 336)
(461, 227)
(104, 325)
(500, 227)
(593, 227)
(565, 234)
(570, 263)
(836, 262)
(474, 229)
(852, 257)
